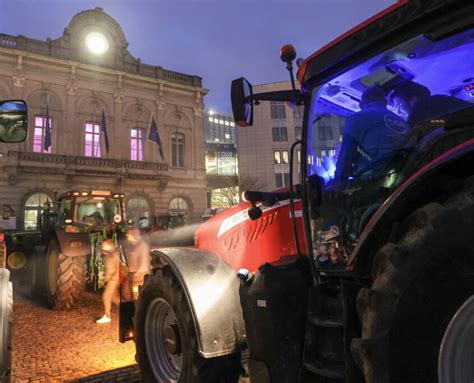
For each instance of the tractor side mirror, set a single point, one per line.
(13, 121)
(242, 107)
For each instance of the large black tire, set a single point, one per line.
(6, 321)
(162, 299)
(64, 278)
(418, 282)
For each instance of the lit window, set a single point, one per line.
(216, 120)
(40, 130)
(221, 122)
(138, 210)
(226, 123)
(227, 136)
(232, 124)
(136, 144)
(318, 161)
(277, 156)
(92, 139)
(177, 150)
(323, 153)
(33, 209)
(211, 119)
(284, 155)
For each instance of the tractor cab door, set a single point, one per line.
(372, 126)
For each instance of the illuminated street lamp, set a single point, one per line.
(97, 43)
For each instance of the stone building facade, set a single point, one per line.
(86, 73)
(264, 149)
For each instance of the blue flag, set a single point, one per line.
(47, 132)
(154, 136)
(103, 129)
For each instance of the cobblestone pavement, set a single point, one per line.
(68, 346)
(55, 346)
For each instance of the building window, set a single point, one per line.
(325, 133)
(177, 150)
(138, 210)
(298, 132)
(277, 155)
(92, 147)
(279, 180)
(282, 180)
(277, 109)
(284, 157)
(280, 134)
(33, 208)
(179, 205)
(136, 144)
(40, 130)
(298, 111)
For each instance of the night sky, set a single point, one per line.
(218, 40)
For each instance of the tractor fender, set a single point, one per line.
(212, 291)
(73, 244)
(425, 185)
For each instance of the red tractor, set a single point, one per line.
(374, 282)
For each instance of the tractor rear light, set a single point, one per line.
(75, 244)
(71, 229)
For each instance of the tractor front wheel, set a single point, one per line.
(64, 277)
(419, 281)
(166, 340)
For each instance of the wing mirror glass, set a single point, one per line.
(13, 121)
(242, 106)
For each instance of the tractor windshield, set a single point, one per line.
(97, 211)
(369, 127)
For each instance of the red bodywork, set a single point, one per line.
(244, 243)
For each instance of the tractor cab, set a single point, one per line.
(92, 210)
(375, 124)
(369, 126)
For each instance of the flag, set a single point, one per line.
(47, 132)
(103, 129)
(154, 136)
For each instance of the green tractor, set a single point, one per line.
(63, 257)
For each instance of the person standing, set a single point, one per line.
(137, 252)
(111, 295)
(369, 135)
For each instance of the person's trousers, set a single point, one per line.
(111, 296)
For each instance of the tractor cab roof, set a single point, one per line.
(397, 23)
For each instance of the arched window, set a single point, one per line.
(179, 205)
(33, 208)
(177, 150)
(138, 210)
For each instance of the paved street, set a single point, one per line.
(53, 346)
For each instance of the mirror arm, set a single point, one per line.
(284, 95)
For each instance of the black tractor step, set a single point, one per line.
(321, 369)
(333, 323)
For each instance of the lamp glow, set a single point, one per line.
(97, 43)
